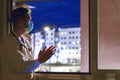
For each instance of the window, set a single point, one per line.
(73, 37)
(108, 37)
(64, 37)
(59, 26)
(73, 32)
(69, 32)
(69, 37)
(77, 37)
(76, 47)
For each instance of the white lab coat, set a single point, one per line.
(15, 64)
(26, 49)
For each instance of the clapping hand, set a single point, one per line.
(46, 53)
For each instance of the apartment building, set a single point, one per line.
(66, 41)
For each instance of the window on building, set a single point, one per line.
(73, 37)
(69, 32)
(76, 47)
(64, 37)
(73, 32)
(64, 42)
(69, 37)
(76, 37)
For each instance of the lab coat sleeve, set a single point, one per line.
(32, 66)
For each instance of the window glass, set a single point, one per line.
(58, 23)
(108, 35)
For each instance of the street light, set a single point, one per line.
(46, 28)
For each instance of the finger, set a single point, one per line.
(48, 56)
(45, 56)
(40, 53)
(51, 52)
(44, 48)
(51, 48)
(48, 51)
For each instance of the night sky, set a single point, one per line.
(62, 13)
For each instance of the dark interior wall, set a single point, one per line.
(4, 15)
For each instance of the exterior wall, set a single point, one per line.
(70, 41)
(37, 41)
(50, 37)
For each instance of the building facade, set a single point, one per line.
(66, 40)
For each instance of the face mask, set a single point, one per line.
(30, 26)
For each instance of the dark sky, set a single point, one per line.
(56, 12)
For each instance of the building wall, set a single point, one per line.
(70, 41)
(50, 35)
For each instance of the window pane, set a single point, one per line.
(63, 20)
(58, 23)
(108, 34)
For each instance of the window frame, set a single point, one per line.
(92, 45)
